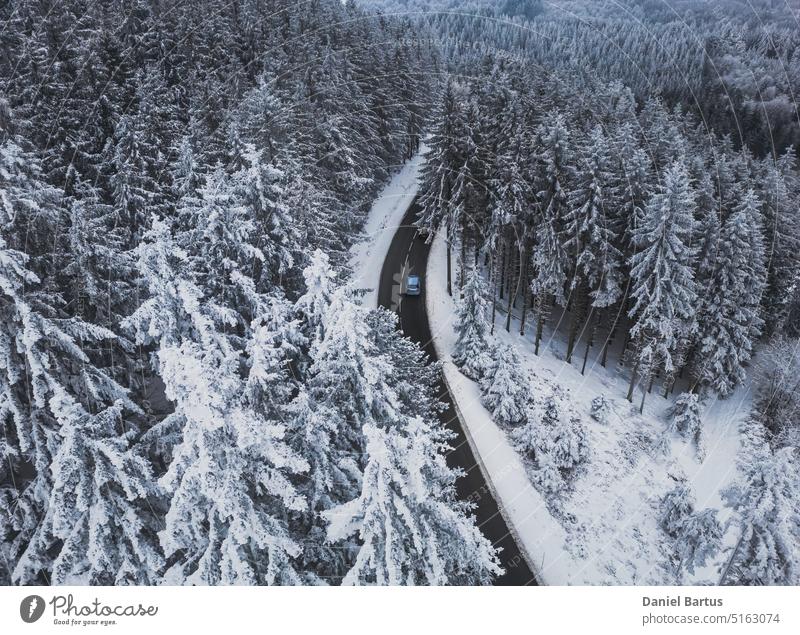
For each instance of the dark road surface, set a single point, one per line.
(409, 254)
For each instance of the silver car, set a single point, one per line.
(413, 285)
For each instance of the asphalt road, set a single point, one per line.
(408, 254)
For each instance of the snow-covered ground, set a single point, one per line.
(605, 529)
(383, 219)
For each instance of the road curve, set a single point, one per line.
(407, 254)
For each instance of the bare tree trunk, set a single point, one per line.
(729, 565)
(462, 270)
(669, 383)
(541, 302)
(578, 313)
(449, 269)
(625, 346)
(512, 297)
(509, 268)
(632, 385)
(612, 335)
(644, 395)
(502, 267)
(589, 339)
(525, 293)
(494, 287)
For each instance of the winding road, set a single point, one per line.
(408, 254)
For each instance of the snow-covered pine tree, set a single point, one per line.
(553, 437)
(45, 361)
(444, 161)
(100, 507)
(411, 527)
(228, 485)
(504, 387)
(313, 432)
(590, 228)
(549, 259)
(470, 350)
(591, 239)
(345, 385)
(414, 379)
(319, 277)
(263, 188)
(547, 476)
(348, 377)
(540, 420)
(508, 221)
(781, 230)
(663, 288)
(402, 515)
(731, 322)
(697, 535)
(568, 445)
(708, 216)
(133, 182)
(185, 176)
(777, 382)
(765, 497)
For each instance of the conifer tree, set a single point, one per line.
(731, 322)
(470, 350)
(504, 387)
(663, 288)
(411, 528)
(549, 260)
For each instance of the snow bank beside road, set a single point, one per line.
(383, 220)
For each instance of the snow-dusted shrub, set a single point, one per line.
(676, 506)
(568, 445)
(600, 409)
(527, 438)
(686, 416)
(505, 387)
(699, 539)
(547, 476)
(553, 437)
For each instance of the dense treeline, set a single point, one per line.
(187, 394)
(735, 64)
(637, 220)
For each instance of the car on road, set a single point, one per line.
(413, 285)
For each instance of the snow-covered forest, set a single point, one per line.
(193, 390)
(573, 195)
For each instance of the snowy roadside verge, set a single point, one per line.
(604, 528)
(538, 535)
(384, 218)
